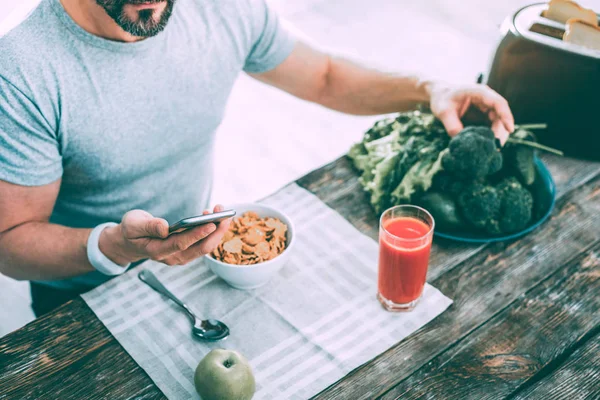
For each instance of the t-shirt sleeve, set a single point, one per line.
(29, 149)
(272, 43)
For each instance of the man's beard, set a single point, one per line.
(145, 24)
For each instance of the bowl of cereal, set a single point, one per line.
(255, 248)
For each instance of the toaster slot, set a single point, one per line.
(546, 30)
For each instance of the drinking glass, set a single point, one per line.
(405, 236)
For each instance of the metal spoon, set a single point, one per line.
(208, 329)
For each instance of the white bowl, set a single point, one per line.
(247, 277)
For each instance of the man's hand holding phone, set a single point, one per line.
(141, 236)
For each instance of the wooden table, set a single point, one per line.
(525, 322)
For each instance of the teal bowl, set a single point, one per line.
(544, 194)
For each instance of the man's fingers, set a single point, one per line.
(503, 113)
(173, 260)
(198, 249)
(488, 100)
(183, 240)
(209, 243)
(157, 227)
(451, 121)
(186, 246)
(500, 131)
(223, 225)
(213, 240)
(179, 242)
(140, 224)
(508, 122)
(205, 246)
(451, 106)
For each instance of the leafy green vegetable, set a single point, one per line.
(369, 171)
(392, 148)
(519, 159)
(515, 139)
(384, 174)
(462, 181)
(380, 129)
(384, 145)
(418, 179)
(359, 156)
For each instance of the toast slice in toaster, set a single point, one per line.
(563, 10)
(582, 33)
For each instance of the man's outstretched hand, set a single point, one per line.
(141, 236)
(452, 104)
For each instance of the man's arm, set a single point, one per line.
(344, 86)
(31, 248)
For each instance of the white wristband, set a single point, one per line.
(98, 260)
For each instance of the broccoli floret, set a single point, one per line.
(473, 154)
(445, 183)
(480, 205)
(500, 209)
(516, 205)
(493, 227)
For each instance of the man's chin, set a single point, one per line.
(141, 19)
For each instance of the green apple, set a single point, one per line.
(224, 375)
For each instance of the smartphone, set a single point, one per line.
(191, 222)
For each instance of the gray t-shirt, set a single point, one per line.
(126, 125)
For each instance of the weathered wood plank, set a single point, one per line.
(509, 350)
(578, 378)
(69, 354)
(482, 286)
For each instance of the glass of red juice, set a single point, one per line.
(405, 236)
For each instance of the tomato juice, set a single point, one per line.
(404, 247)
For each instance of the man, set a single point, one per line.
(108, 110)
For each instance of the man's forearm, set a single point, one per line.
(353, 89)
(44, 251)
(345, 86)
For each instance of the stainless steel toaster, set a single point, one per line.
(547, 80)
